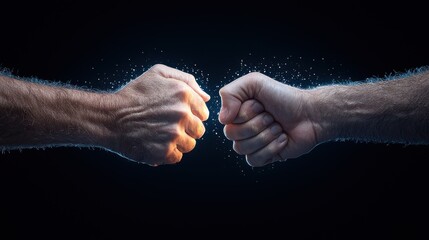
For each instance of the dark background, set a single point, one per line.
(339, 188)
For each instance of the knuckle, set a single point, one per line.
(205, 113)
(181, 86)
(179, 114)
(255, 75)
(178, 158)
(183, 92)
(255, 128)
(223, 91)
(157, 67)
(200, 130)
(264, 137)
(237, 147)
(182, 112)
(228, 132)
(203, 130)
(172, 156)
(256, 78)
(190, 77)
(188, 146)
(192, 144)
(245, 112)
(273, 148)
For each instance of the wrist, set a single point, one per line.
(322, 114)
(97, 122)
(109, 130)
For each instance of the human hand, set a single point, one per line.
(158, 116)
(255, 106)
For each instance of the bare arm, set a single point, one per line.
(394, 111)
(36, 115)
(154, 119)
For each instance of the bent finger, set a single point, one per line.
(194, 127)
(237, 92)
(198, 107)
(248, 129)
(174, 155)
(258, 142)
(248, 110)
(264, 155)
(185, 143)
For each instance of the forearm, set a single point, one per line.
(36, 115)
(386, 111)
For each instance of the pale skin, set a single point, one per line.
(154, 119)
(269, 121)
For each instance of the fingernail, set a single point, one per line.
(267, 119)
(275, 129)
(282, 138)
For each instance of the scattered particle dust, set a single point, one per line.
(293, 70)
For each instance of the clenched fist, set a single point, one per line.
(158, 116)
(267, 120)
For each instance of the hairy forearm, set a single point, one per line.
(36, 115)
(385, 111)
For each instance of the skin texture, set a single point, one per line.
(254, 106)
(154, 119)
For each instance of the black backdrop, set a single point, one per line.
(339, 188)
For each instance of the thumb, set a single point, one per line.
(235, 93)
(230, 107)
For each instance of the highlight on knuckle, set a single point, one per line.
(157, 67)
(200, 130)
(223, 91)
(190, 77)
(183, 92)
(192, 145)
(203, 130)
(255, 75)
(179, 114)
